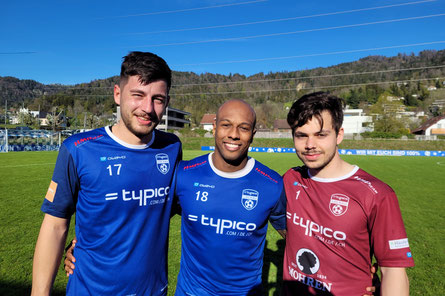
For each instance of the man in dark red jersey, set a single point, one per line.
(338, 216)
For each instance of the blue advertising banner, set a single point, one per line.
(30, 148)
(347, 151)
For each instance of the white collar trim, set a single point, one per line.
(233, 175)
(131, 146)
(330, 180)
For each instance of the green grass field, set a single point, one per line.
(418, 181)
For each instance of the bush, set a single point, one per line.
(188, 132)
(381, 135)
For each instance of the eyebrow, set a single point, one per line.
(242, 123)
(317, 132)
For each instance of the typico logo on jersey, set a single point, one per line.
(222, 225)
(314, 229)
(142, 195)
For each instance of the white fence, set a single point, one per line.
(29, 140)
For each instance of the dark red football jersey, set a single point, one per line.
(335, 227)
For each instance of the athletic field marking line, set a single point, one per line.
(25, 165)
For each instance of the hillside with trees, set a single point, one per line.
(360, 83)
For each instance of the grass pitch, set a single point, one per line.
(418, 181)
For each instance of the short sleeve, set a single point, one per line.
(278, 214)
(388, 235)
(61, 197)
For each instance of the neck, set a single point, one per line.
(228, 166)
(122, 132)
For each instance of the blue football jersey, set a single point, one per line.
(224, 225)
(120, 194)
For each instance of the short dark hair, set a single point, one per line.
(148, 66)
(312, 105)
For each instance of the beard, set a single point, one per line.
(140, 131)
(318, 165)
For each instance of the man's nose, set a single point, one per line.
(147, 105)
(310, 143)
(234, 133)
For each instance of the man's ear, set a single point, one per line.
(340, 135)
(214, 127)
(253, 134)
(117, 94)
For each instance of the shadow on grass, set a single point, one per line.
(18, 289)
(273, 258)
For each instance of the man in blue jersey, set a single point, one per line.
(227, 199)
(117, 181)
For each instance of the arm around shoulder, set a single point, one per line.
(48, 253)
(394, 281)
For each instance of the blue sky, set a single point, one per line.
(71, 42)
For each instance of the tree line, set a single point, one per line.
(361, 83)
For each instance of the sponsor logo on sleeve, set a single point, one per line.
(162, 163)
(409, 255)
(249, 199)
(339, 204)
(398, 244)
(86, 140)
(300, 185)
(51, 191)
(368, 183)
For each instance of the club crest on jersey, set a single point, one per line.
(162, 163)
(249, 199)
(339, 204)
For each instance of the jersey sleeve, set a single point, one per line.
(388, 235)
(60, 200)
(278, 215)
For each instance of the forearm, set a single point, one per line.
(282, 232)
(48, 253)
(394, 282)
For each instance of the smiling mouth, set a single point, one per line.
(144, 119)
(231, 146)
(311, 155)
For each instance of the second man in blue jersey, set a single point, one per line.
(227, 199)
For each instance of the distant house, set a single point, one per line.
(207, 121)
(355, 121)
(280, 125)
(60, 120)
(433, 126)
(43, 118)
(174, 118)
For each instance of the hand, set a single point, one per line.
(375, 289)
(69, 258)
